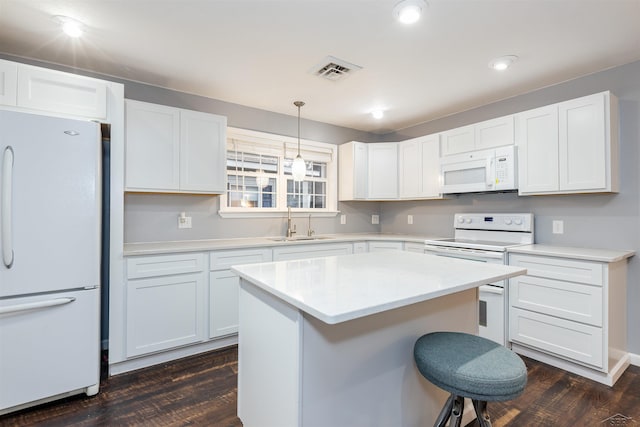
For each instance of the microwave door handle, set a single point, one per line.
(490, 173)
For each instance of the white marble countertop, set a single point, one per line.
(341, 288)
(589, 254)
(151, 248)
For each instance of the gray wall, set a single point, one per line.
(601, 221)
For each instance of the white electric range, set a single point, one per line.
(486, 238)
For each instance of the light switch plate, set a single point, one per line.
(343, 219)
(410, 219)
(375, 219)
(558, 226)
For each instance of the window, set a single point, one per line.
(259, 178)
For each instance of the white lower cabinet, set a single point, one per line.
(571, 314)
(224, 287)
(165, 302)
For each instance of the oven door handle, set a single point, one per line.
(491, 289)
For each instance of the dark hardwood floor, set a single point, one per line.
(201, 391)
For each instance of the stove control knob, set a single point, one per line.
(507, 221)
(518, 221)
(460, 220)
(468, 220)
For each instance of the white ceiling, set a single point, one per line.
(259, 53)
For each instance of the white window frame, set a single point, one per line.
(283, 147)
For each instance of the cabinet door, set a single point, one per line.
(352, 171)
(152, 155)
(164, 312)
(458, 140)
(410, 169)
(8, 82)
(583, 143)
(224, 287)
(430, 152)
(494, 133)
(202, 152)
(49, 90)
(383, 171)
(537, 142)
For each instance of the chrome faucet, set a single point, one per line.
(309, 230)
(290, 231)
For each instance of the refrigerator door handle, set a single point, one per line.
(36, 305)
(5, 207)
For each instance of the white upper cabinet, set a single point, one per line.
(49, 90)
(479, 136)
(152, 146)
(419, 167)
(202, 152)
(174, 150)
(538, 150)
(570, 147)
(8, 82)
(458, 140)
(368, 171)
(382, 171)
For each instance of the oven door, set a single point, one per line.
(491, 297)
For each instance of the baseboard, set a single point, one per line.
(634, 359)
(166, 356)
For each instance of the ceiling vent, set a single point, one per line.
(334, 69)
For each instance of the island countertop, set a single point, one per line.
(341, 288)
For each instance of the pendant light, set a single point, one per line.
(298, 168)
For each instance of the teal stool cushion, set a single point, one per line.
(470, 366)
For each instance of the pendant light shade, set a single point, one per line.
(298, 168)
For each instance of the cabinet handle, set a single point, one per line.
(36, 305)
(5, 209)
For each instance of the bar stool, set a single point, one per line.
(469, 366)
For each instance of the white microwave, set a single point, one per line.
(478, 171)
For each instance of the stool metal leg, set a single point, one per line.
(456, 411)
(445, 413)
(482, 415)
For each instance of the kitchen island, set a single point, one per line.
(329, 341)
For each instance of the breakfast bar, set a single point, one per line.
(328, 341)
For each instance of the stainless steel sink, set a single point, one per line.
(299, 239)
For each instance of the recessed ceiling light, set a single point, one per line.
(409, 11)
(70, 26)
(502, 63)
(377, 114)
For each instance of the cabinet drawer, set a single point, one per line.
(560, 268)
(164, 312)
(414, 247)
(162, 265)
(571, 301)
(385, 246)
(223, 260)
(311, 251)
(576, 341)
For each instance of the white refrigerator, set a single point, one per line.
(50, 213)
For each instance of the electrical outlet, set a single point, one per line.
(375, 219)
(184, 222)
(343, 219)
(558, 227)
(410, 219)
